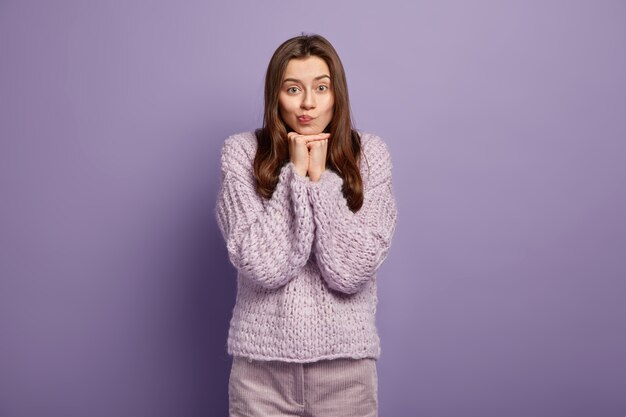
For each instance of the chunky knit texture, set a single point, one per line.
(306, 283)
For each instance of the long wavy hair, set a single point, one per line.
(344, 144)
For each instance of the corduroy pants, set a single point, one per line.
(327, 388)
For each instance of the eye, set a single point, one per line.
(292, 90)
(322, 87)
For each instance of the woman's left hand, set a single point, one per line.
(317, 158)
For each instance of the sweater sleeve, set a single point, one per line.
(268, 242)
(350, 247)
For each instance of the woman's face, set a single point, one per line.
(306, 97)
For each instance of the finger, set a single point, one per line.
(316, 138)
(319, 135)
(296, 137)
(313, 142)
(317, 143)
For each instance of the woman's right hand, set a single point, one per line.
(299, 152)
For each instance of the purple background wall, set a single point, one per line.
(503, 294)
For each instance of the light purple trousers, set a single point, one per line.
(327, 388)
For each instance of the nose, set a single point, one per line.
(308, 100)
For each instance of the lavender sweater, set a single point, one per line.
(306, 284)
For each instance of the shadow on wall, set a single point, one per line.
(211, 297)
(210, 284)
(219, 295)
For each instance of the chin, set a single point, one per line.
(308, 130)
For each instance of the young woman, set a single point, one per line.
(308, 213)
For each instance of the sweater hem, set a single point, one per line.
(304, 360)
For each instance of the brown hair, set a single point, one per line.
(344, 145)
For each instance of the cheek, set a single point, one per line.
(281, 106)
(284, 105)
(330, 107)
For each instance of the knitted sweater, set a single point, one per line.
(306, 283)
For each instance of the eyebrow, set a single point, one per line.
(300, 81)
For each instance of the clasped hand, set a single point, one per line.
(308, 153)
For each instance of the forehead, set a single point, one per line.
(306, 68)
